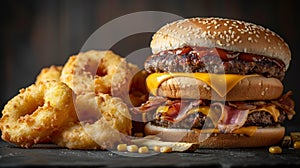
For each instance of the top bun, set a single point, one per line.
(228, 34)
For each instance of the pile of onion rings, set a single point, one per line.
(80, 105)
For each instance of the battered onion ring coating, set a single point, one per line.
(36, 112)
(107, 121)
(99, 72)
(49, 73)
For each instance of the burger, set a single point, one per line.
(217, 82)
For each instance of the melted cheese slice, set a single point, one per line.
(271, 109)
(221, 83)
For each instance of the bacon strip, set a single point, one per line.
(286, 104)
(152, 104)
(242, 105)
(183, 113)
(231, 119)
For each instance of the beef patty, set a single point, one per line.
(199, 120)
(214, 61)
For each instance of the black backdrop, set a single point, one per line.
(37, 34)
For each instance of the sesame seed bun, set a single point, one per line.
(228, 34)
(266, 136)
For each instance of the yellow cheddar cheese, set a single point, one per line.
(221, 83)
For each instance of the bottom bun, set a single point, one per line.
(262, 137)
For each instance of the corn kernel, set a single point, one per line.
(156, 148)
(143, 149)
(297, 145)
(132, 148)
(275, 149)
(122, 147)
(165, 149)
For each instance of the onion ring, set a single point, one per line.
(90, 71)
(99, 72)
(50, 73)
(36, 112)
(105, 121)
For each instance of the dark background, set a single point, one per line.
(37, 34)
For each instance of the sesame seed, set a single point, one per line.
(219, 43)
(203, 34)
(273, 33)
